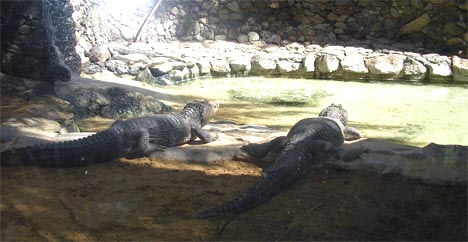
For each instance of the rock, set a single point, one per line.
(243, 38)
(204, 65)
(391, 65)
(439, 67)
(460, 69)
(263, 64)
(160, 69)
(131, 58)
(114, 102)
(253, 36)
(354, 64)
(177, 76)
(92, 69)
(274, 39)
(240, 66)
(220, 67)
(416, 25)
(194, 72)
(413, 69)
(287, 66)
(433, 164)
(220, 37)
(327, 63)
(453, 29)
(117, 66)
(439, 72)
(338, 51)
(295, 48)
(233, 6)
(309, 62)
(99, 53)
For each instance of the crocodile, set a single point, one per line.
(130, 138)
(310, 142)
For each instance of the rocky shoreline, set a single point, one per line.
(176, 62)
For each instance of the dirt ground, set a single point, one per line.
(147, 199)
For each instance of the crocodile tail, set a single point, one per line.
(96, 148)
(284, 172)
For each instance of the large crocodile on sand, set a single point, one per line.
(310, 142)
(131, 138)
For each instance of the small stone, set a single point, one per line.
(274, 39)
(253, 36)
(243, 38)
(220, 37)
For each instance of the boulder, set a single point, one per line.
(309, 62)
(204, 66)
(240, 66)
(413, 69)
(440, 68)
(99, 53)
(460, 69)
(354, 64)
(114, 102)
(388, 65)
(287, 66)
(416, 25)
(220, 67)
(160, 69)
(262, 64)
(327, 63)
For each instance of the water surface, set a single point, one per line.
(400, 112)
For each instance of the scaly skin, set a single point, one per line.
(309, 142)
(131, 138)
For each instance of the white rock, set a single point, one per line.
(385, 64)
(327, 63)
(460, 69)
(286, 66)
(253, 36)
(309, 62)
(354, 63)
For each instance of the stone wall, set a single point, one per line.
(37, 40)
(416, 25)
(47, 39)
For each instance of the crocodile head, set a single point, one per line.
(203, 110)
(335, 111)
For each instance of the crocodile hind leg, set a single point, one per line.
(261, 150)
(143, 145)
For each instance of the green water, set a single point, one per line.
(399, 112)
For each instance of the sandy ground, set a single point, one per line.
(147, 199)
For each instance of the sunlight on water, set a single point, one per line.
(403, 113)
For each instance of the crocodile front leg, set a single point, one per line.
(261, 150)
(352, 133)
(204, 135)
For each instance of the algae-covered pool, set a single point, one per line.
(407, 113)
